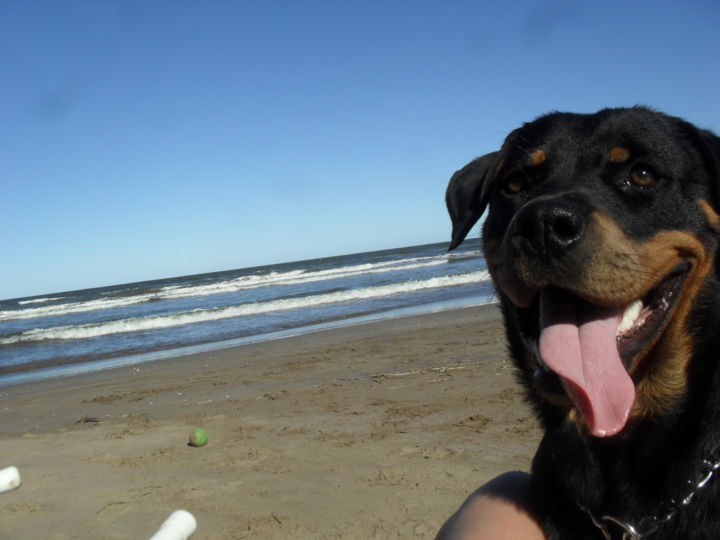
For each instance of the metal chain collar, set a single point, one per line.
(612, 527)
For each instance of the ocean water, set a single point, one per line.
(94, 329)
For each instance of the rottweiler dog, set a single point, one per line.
(601, 238)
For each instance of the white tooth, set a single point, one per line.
(630, 315)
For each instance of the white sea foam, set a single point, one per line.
(204, 315)
(38, 300)
(74, 307)
(296, 277)
(253, 281)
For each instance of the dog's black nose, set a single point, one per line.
(551, 227)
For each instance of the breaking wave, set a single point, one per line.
(203, 315)
(251, 281)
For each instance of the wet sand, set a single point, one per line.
(377, 430)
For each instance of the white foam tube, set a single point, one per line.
(9, 479)
(179, 526)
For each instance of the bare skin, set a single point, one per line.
(498, 510)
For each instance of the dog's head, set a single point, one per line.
(601, 239)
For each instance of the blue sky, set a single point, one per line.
(149, 139)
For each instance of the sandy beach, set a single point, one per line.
(377, 430)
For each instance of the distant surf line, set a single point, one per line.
(156, 322)
(251, 281)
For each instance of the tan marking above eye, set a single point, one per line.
(619, 154)
(537, 157)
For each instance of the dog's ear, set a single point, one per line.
(467, 195)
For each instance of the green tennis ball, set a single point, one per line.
(198, 437)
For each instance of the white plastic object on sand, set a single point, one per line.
(179, 526)
(9, 479)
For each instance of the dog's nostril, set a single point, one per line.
(565, 227)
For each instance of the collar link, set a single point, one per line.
(612, 527)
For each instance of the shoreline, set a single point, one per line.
(24, 373)
(363, 431)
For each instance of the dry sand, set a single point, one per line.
(370, 431)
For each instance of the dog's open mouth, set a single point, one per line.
(594, 350)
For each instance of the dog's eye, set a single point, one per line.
(513, 185)
(642, 176)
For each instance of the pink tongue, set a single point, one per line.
(578, 342)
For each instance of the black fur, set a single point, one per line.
(637, 473)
